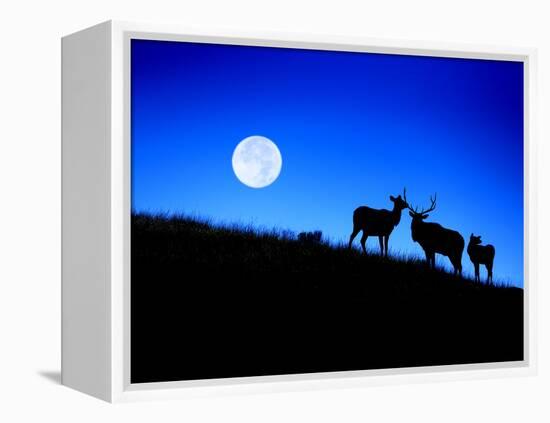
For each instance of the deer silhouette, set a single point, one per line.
(434, 238)
(378, 222)
(481, 254)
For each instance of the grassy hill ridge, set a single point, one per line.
(222, 301)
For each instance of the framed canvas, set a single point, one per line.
(259, 212)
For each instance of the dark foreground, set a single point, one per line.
(211, 303)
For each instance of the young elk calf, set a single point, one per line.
(481, 254)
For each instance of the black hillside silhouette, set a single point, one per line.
(213, 302)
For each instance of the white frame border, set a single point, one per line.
(121, 389)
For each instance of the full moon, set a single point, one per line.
(257, 161)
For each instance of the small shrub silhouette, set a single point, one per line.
(310, 237)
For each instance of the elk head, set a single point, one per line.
(422, 214)
(475, 240)
(400, 203)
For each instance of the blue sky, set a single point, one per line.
(352, 128)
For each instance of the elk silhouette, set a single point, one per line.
(434, 238)
(378, 222)
(481, 254)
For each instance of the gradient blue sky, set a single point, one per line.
(352, 128)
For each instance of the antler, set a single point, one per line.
(431, 208)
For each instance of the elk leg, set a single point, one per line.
(381, 242)
(489, 273)
(457, 265)
(364, 241)
(353, 235)
(427, 258)
(386, 241)
(476, 268)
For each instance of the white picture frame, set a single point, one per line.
(96, 213)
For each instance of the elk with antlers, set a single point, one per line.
(376, 222)
(434, 238)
